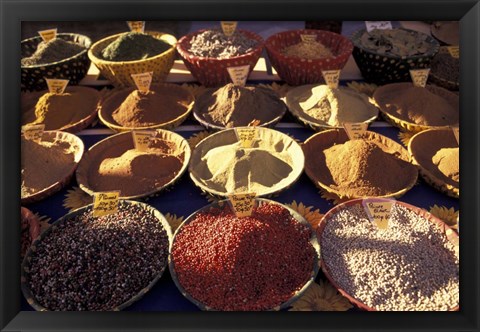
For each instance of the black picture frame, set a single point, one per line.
(14, 11)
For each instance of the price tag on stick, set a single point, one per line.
(242, 204)
(48, 35)
(56, 86)
(308, 38)
(33, 132)
(331, 77)
(105, 203)
(136, 26)
(379, 25)
(454, 51)
(239, 74)
(378, 211)
(419, 77)
(355, 130)
(143, 81)
(246, 136)
(142, 139)
(228, 27)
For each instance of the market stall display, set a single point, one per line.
(64, 57)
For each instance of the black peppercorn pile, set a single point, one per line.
(97, 264)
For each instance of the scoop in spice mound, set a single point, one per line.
(410, 266)
(97, 264)
(243, 264)
(52, 51)
(308, 50)
(44, 163)
(133, 46)
(233, 106)
(59, 111)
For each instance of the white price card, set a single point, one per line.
(379, 25)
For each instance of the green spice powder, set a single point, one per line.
(133, 46)
(52, 51)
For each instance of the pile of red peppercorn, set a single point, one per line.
(243, 264)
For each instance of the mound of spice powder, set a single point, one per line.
(395, 42)
(233, 106)
(243, 264)
(132, 108)
(44, 163)
(448, 162)
(134, 172)
(133, 46)
(215, 44)
(410, 266)
(446, 67)
(362, 168)
(60, 110)
(52, 51)
(97, 264)
(308, 50)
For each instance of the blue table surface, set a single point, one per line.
(185, 198)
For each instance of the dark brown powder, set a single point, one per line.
(361, 168)
(233, 106)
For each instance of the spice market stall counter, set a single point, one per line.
(184, 198)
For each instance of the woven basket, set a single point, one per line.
(119, 72)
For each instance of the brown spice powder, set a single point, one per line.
(362, 168)
(44, 163)
(131, 108)
(233, 106)
(134, 172)
(447, 161)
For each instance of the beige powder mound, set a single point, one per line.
(361, 168)
(336, 106)
(448, 162)
(44, 163)
(308, 50)
(231, 168)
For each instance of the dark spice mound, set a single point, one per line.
(446, 67)
(250, 263)
(133, 46)
(55, 50)
(97, 264)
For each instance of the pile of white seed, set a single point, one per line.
(411, 265)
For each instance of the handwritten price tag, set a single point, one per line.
(331, 77)
(143, 81)
(246, 136)
(48, 35)
(239, 74)
(136, 26)
(379, 25)
(308, 38)
(228, 27)
(378, 211)
(105, 203)
(33, 132)
(142, 139)
(242, 204)
(454, 51)
(355, 130)
(419, 77)
(456, 132)
(56, 85)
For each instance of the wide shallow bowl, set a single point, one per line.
(213, 72)
(119, 72)
(118, 144)
(87, 114)
(297, 71)
(392, 115)
(73, 68)
(320, 174)
(422, 147)
(292, 100)
(220, 204)
(26, 261)
(381, 69)
(30, 224)
(266, 138)
(451, 235)
(446, 32)
(61, 180)
(109, 105)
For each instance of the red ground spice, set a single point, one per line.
(243, 264)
